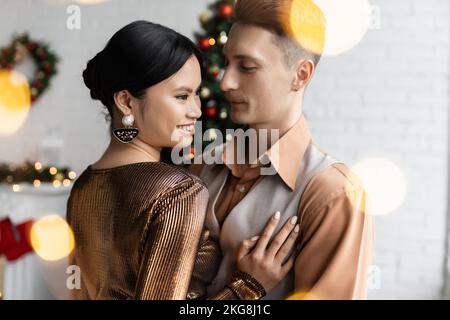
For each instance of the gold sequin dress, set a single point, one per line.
(138, 234)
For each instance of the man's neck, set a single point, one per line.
(273, 131)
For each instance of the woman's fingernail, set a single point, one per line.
(277, 215)
(297, 229)
(255, 238)
(293, 220)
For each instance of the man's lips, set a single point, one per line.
(238, 105)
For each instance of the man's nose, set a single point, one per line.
(229, 81)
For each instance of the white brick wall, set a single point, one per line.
(388, 97)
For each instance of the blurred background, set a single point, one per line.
(379, 101)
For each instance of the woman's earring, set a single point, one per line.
(127, 134)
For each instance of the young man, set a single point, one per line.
(272, 51)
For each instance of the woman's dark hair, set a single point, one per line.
(138, 56)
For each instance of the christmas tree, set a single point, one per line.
(216, 24)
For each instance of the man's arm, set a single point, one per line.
(336, 239)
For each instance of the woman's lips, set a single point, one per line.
(187, 129)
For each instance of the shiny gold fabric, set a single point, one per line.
(138, 234)
(137, 229)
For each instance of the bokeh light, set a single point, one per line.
(67, 2)
(15, 101)
(384, 183)
(72, 175)
(347, 21)
(91, 1)
(52, 238)
(307, 24)
(303, 295)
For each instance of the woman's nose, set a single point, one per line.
(196, 111)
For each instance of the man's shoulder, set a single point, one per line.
(334, 181)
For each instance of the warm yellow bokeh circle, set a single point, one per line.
(52, 238)
(15, 101)
(308, 25)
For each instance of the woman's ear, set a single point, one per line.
(304, 69)
(123, 103)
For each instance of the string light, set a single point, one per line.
(223, 114)
(36, 175)
(38, 166)
(223, 38)
(72, 175)
(212, 41)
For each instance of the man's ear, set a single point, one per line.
(303, 71)
(123, 103)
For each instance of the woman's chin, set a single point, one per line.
(183, 142)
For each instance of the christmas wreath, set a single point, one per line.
(44, 59)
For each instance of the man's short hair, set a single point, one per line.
(298, 25)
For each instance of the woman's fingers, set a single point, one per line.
(281, 237)
(287, 266)
(246, 246)
(288, 246)
(267, 233)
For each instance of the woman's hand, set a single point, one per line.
(264, 261)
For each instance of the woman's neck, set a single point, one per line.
(153, 154)
(118, 154)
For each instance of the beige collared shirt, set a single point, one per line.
(336, 235)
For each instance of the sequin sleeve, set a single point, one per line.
(242, 286)
(170, 247)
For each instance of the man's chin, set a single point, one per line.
(240, 119)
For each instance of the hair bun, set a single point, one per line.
(92, 76)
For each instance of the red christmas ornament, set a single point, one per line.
(211, 112)
(43, 56)
(31, 46)
(204, 43)
(37, 84)
(225, 10)
(193, 151)
(48, 68)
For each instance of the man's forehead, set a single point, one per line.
(250, 41)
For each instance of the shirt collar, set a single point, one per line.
(285, 155)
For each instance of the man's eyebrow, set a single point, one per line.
(241, 56)
(245, 56)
